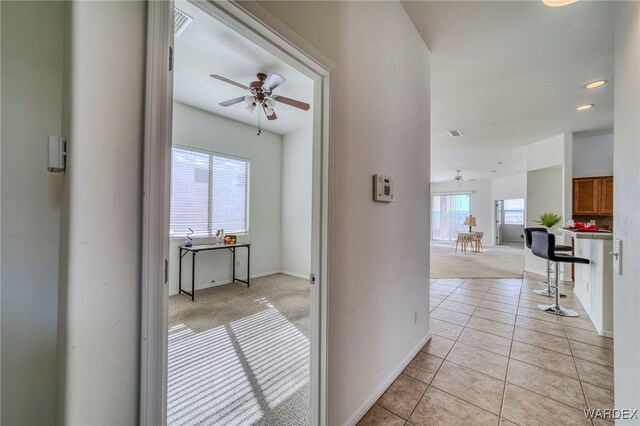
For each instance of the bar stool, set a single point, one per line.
(544, 245)
(559, 248)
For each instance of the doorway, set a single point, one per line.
(261, 396)
(509, 221)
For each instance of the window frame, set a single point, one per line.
(210, 153)
(504, 211)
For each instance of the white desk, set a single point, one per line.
(593, 283)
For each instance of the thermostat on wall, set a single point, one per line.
(382, 189)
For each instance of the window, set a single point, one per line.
(208, 192)
(448, 212)
(514, 212)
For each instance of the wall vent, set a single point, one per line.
(455, 132)
(180, 22)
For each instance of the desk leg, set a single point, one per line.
(248, 265)
(233, 265)
(180, 271)
(193, 277)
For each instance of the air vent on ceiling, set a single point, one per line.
(180, 22)
(455, 132)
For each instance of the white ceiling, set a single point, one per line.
(209, 47)
(509, 73)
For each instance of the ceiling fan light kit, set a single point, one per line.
(262, 94)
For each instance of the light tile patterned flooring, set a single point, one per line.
(494, 358)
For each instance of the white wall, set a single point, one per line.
(545, 153)
(481, 203)
(593, 154)
(627, 205)
(371, 306)
(297, 158)
(33, 35)
(103, 192)
(544, 194)
(196, 128)
(509, 187)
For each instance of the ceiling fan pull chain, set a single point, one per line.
(259, 123)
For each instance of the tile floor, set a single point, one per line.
(494, 358)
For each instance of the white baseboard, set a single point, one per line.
(366, 406)
(203, 286)
(295, 274)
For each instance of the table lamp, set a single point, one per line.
(471, 221)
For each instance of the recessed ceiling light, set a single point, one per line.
(584, 107)
(595, 84)
(558, 3)
(513, 153)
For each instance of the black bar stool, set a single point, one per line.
(559, 248)
(544, 245)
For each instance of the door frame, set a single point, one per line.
(251, 20)
(498, 213)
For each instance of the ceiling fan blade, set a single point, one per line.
(226, 80)
(273, 115)
(292, 102)
(272, 82)
(232, 101)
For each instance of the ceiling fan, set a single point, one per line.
(262, 94)
(458, 177)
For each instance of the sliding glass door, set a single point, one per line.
(448, 212)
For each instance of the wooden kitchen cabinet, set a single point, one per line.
(606, 196)
(593, 196)
(586, 198)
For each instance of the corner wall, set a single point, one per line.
(103, 191)
(626, 199)
(33, 39)
(544, 194)
(372, 332)
(297, 161)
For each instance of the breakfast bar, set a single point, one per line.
(593, 283)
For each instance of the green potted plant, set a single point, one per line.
(548, 219)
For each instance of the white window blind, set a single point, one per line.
(448, 212)
(208, 192)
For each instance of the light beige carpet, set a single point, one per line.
(493, 262)
(240, 356)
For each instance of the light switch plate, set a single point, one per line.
(56, 154)
(617, 256)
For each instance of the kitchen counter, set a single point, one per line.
(593, 283)
(600, 235)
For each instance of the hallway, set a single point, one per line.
(494, 358)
